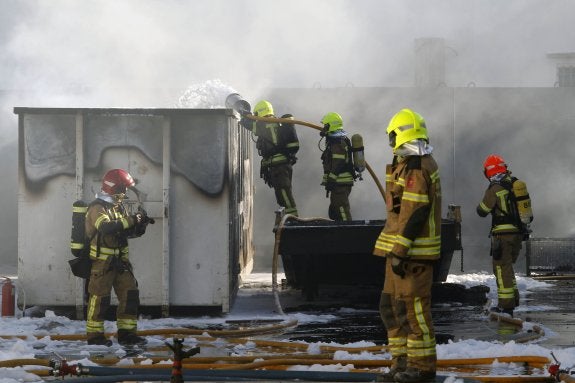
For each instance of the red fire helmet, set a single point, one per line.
(117, 181)
(494, 164)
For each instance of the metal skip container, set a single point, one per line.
(192, 164)
(324, 252)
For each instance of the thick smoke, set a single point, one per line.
(148, 53)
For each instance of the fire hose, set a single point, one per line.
(536, 332)
(283, 361)
(197, 368)
(279, 362)
(317, 127)
(147, 372)
(112, 375)
(234, 101)
(278, 232)
(178, 331)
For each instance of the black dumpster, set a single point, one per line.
(322, 252)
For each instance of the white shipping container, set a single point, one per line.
(194, 165)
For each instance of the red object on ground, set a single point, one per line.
(8, 298)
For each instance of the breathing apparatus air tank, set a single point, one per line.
(358, 153)
(523, 201)
(77, 240)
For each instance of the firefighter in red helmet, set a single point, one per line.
(109, 226)
(508, 202)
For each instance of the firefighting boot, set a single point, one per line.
(129, 338)
(98, 339)
(415, 375)
(399, 365)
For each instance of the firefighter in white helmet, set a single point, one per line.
(411, 243)
(109, 226)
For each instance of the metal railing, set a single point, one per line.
(550, 255)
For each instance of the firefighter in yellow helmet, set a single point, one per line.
(277, 144)
(508, 202)
(411, 243)
(338, 170)
(109, 226)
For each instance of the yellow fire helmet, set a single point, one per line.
(406, 126)
(332, 122)
(263, 108)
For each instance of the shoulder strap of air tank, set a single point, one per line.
(349, 163)
(93, 203)
(413, 163)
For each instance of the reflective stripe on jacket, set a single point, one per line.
(110, 222)
(272, 145)
(337, 162)
(496, 201)
(413, 201)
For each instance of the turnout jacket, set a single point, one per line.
(108, 225)
(413, 202)
(337, 161)
(497, 201)
(276, 143)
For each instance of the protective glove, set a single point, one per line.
(145, 218)
(398, 264)
(137, 218)
(246, 123)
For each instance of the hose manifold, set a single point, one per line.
(60, 367)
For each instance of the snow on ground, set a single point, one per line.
(52, 324)
(524, 284)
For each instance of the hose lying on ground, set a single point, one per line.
(537, 332)
(254, 362)
(174, 331)
(218, 375)
(112, 375)
(566, 378)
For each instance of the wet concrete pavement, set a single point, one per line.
(559, 316)
(357, 318)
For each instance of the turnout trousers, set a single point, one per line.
(102, 279)
(339, 209)
(280, 180)
(405, 309)
(505, 250)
